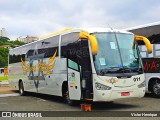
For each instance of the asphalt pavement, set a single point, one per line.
(40, 102)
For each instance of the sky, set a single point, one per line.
(42, 17)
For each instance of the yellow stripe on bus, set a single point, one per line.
(55, 33)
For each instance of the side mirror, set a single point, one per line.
(146, 41)
(92, 40)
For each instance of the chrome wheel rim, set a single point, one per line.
(21, 91)
(156, 88)
(67, 96)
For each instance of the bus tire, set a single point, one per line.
(67, 99)
(21, 89)
(155, 88)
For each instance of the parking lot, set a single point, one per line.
(40, 102)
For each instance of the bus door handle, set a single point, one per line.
(73, 74)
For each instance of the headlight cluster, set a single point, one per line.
(143, 84)
(100, 86)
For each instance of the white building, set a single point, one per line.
(3, 32)
(22, 39)
(27, 39)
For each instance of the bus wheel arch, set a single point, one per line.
(64, 88)
(21, 87)
(154, 86)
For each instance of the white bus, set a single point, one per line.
(151, 62)
(94, 64)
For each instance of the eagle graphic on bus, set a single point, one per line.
(42, 68)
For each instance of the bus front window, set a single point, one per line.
(116, 52)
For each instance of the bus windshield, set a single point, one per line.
(116, 53)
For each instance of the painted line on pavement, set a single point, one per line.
(8, 95)
(3, 83)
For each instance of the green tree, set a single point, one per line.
(3, 61)
(3, 57)
(4, 51)
(3, 40)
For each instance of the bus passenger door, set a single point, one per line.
(74, 86)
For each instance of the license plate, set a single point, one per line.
(125, 93)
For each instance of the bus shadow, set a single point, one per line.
(111, 106)
(96, 106)
(45, 97)
(149, 95)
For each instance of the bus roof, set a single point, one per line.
(146, 30)
(70, 30)
(89, 30)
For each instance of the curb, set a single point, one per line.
(8, 95)
(4, 82)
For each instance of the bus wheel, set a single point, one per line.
(155, 88)
(21, 88)
(67, 99)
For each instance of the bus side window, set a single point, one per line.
(29, 53)
(72, 65)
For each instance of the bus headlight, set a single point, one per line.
(100, 86)
(143, 84)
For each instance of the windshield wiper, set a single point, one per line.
(109, 70)
(139, 70)
(124, 69)
(120, 70)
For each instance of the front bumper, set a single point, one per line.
(111, 95)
